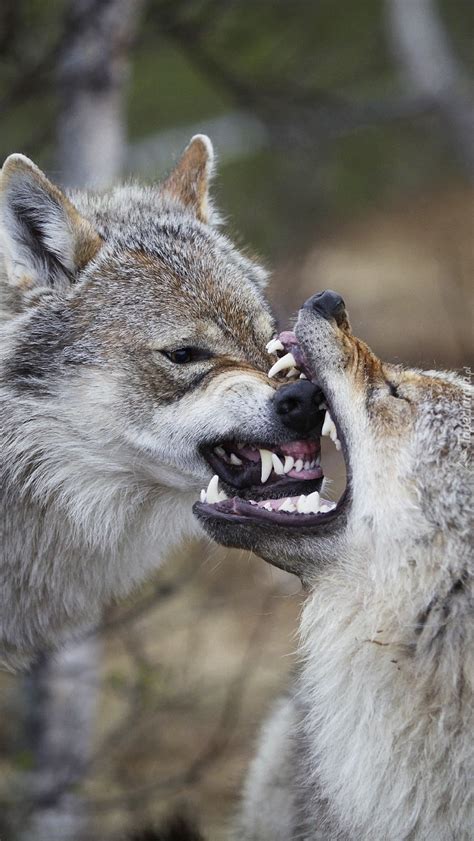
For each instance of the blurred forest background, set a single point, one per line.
(345, 136)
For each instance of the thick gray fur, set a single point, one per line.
(100, 433)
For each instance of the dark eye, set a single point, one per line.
(183, 355)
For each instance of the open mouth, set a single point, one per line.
(279, 483)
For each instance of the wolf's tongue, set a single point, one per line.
(287, 337)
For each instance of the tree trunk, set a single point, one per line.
(421, 47)
(91, 76)
(62, 690)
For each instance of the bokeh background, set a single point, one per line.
(345, 138)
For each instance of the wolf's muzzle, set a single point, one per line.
(327, 304)
(297, 406)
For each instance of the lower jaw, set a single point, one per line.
(240, 511)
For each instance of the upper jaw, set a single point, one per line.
(264, 469)
(248, 507)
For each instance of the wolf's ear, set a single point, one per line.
(44, 239)
(189, 181)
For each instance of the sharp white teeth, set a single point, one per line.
(235, 459)
(203, 495)
(219, 451)
(308, 504)
(274, 345)
(293, 372)
(267, 464)
(287, 505)
(299, 465)
(327, 424)
(312, 503)
(289, 462)
(301, 504)
(277, 465)
(213, 494)
(287, 361)
(303, 376)
(267, 506)
(307, 465)
(337, 443)
(329, 428)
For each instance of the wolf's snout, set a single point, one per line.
(328, 304)
(297, 405)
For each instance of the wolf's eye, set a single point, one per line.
(186, 354)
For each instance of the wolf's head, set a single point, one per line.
(133, 345)
(404, 435)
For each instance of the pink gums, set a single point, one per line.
(306, 450)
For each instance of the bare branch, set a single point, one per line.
(421, 47)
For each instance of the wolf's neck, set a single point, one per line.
(373, 697)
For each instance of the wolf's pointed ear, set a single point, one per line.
(44, 239)
(189, 181)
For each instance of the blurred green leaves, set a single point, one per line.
(318, 74)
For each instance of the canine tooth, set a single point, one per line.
(337, 444)
(312, 503)
(303, 376)
(277, 465)
(289, 463)
(235, 459)
(203, 495)
(220, 451)
(267, 464)
(301, 505)
(329, 427)
(287, 505)
(299, 465)
(274, 345)
(286, 361)
(213, 493)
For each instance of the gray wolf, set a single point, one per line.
(132, 361)
(375, 738)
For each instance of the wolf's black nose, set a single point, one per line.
(297, 405)
(329, 304)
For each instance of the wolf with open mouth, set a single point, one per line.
(132, 362)
(375, 740)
